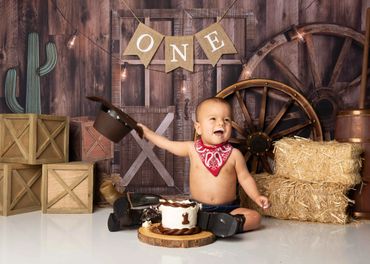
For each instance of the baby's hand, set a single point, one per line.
(145, 129)
(263, 202)
(141, 125)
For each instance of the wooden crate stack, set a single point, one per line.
(27, 141)
(35, 171)
(88, 145)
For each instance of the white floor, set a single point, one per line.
(38, 238)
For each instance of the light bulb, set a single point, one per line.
(72, 40)
(124, 72)
(183, 84)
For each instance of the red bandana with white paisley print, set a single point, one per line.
(213, 157)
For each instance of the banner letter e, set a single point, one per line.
(215, 42)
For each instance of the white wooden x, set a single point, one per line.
(147, 148)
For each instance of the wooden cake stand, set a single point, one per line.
(152, 236)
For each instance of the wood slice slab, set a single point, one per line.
(151, 236)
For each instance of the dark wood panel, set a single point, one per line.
(95, 57)
(82, 70)
(64, 82)
(133, 92)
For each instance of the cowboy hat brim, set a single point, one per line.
(112, 122)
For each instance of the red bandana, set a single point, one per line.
(213, 157)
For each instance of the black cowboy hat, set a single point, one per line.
(112, 122)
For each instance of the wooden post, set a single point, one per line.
(365, 63)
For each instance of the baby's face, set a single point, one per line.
(214, 123)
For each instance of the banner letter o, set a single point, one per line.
(150, 46)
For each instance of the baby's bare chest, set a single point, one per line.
(227, 171)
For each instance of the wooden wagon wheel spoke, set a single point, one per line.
(261, 119)
(245, 112)
(239, 129)
(265, 164)
(247, 155)
(312, 61)
(270, 154)
(339, 64)
(288, 73)
(236, 140)
(254, 164)
(291, 130)
(278, 117)
(353, 83)
(340, 90)
(356, 81)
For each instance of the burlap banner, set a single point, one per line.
(144, 43)
(179, 50)
(215, 42)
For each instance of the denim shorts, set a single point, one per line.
(220, 208)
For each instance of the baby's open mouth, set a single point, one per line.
(218, 132)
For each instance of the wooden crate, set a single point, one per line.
(20, 188)
(67, 187)
(33, 139)
(87, 144)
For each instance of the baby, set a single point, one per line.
(215, 169)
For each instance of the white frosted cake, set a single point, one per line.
(179, 217)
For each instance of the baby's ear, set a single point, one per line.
(197, 128)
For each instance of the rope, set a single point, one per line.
(227, 10)
(132, 12)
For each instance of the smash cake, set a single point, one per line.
(178, 217)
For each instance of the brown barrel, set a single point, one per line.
(354, 126)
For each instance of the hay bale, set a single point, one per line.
(300, 200)
(312, 161)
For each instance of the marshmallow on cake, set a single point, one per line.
(179, 217)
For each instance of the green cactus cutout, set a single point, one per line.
(10, 87)
(34, 72)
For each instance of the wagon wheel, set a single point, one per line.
(265, 111)
(326, 81)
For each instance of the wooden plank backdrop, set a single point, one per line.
(106, 26)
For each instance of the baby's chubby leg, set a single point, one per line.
(252, 218)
